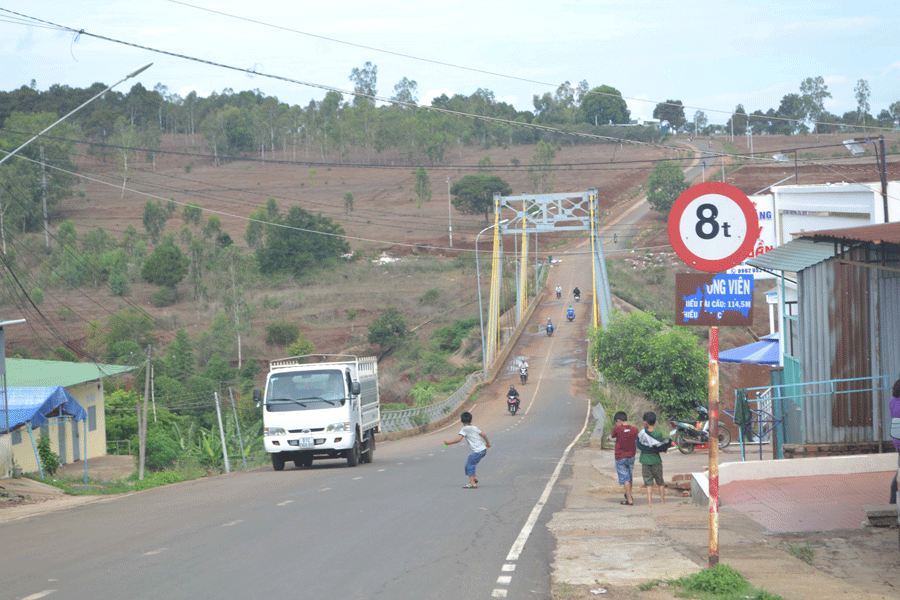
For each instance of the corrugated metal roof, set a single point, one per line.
(793, 257)
(887, 233)
(21, 372)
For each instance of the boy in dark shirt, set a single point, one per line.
(624, 434)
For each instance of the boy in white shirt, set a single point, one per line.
(478, 444)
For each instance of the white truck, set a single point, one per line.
(320, 406)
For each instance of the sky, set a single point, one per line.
(710, 55)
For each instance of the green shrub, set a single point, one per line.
(157, 479)
(164, 296)
(720, 579)
(281, 333)
(49, 459)
(160, 452)
(37, 295)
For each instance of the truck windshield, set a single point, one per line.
(305, 390)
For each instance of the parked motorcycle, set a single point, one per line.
(512, 403)
(687, 435)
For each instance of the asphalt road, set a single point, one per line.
(401, 527)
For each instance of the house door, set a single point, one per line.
(61, 436)
(76, 442)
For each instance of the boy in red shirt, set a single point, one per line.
(625, 435)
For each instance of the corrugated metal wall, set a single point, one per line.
(838, 341)
(889, 333)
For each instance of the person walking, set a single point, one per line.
(651, 462)
(624, 434)
(478, 444)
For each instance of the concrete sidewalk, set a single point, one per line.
(601, 543)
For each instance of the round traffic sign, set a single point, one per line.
(713, 226)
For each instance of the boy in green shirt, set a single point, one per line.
(651, 462)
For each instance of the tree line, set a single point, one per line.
(798, 113)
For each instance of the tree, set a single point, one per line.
(671, 111)
(474, 194)
(540, 172)
(423, 187)
(738, 121)
(638, 351)
(364, 84)
(604, 105)
(155, 217)
(389, 329)
(348, 203)
(895, 110)
(861, 93)
(405, 91)
(813, 92)
(166, 267)
(179, 357)
(192, 213)
(300, 241)
(790, 113)
(700, 121)
(664, 185)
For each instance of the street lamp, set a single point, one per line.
(129, 76)
(480, 310)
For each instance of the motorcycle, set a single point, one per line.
(577, 297)
(570, 314)
(687, 435)
(512, 403)
(523, 375)
(558, 294)
(549, 330)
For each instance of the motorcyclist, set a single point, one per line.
(513, 394)
(559, 291)
(576, 292)
(570, 313)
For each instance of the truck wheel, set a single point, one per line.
(354, 452)
(369, 454)
(278, 461)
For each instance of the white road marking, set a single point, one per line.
(355, 478)
(519, 544)
(38, 595)
(380, 470)
(504, 579)
(508, 568)
(498, 593)
(324, 489)
(157, 551)
(232, 523)
(285, 502)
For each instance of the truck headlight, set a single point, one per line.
(274, 431)
(339, 427)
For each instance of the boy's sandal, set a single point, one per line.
(626, 503)
(469, 486)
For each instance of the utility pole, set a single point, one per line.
(238, 426)
(222, 434)
(44, 199)
(449, 214)
(142, 417)
(153, 390)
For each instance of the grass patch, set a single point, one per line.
(802, 551)
(721, 582)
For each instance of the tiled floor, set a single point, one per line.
(819, 503)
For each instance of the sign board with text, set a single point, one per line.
(713, 299)
(713, 226)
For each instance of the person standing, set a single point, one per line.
(651, 462)
(478, 444)
(624, 434)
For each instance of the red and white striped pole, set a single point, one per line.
(713, 446)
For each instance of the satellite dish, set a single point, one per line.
(854, 147)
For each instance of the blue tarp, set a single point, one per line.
(35, 403)
(767, 351)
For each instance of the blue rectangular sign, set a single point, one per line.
(711, 299)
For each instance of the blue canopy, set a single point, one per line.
(35, 404)
(767, 351)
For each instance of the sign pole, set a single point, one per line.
(713, 446)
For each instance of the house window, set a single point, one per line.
(17, 436)
(92, 418)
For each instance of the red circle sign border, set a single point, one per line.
(721, 189)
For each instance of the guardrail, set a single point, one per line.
(399, 420)
(119, 444)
